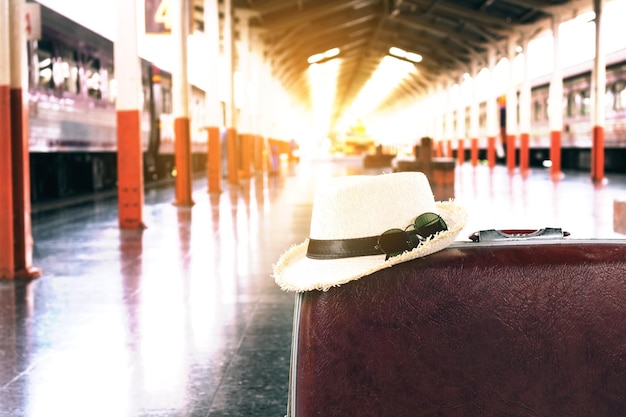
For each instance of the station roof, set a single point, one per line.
(450, 35)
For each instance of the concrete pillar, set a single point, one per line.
(214, 119)
(232, 142)
(129, 151)
(460, 125)
(555, 107)
(525, 112)
(492, 111)
(180, 102)
(598, 100)
(7, 253)
(511, 109)
(474, 118)
(20, 169)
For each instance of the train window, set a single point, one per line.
(566, 105)
(107, 84)
(620, 95)
(93, 81)
(536, 110)
(65, 71)
(585, 105)
(166, 100)
(44, 63)
(609, 99)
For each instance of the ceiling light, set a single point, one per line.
(401, 53)
(331, 53)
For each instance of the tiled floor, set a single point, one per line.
(183, 319)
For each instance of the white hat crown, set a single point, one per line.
(359, 205)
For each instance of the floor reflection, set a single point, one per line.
(183, 318)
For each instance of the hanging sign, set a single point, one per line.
(158, 16)
(32, 21)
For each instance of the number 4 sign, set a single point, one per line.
(158, 16)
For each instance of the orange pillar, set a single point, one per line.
(510, 152)
(233, 155)
(20, 169)
(474, 152)
(260, 154)
(129, 170)
(491, 151)
(182, 148)
(7, 260)
(597, 154)
(461, 151)
(555, 153)
(246, 155)
(214, 166)
(524, 152)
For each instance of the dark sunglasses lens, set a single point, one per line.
(393, 242)
(427, 224)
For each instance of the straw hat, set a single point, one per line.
(359, 208)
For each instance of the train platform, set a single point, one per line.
(183, 318)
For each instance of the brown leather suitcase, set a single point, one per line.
(505, 328)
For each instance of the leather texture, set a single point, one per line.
(474, 330)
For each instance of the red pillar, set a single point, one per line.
(510, 152)
(597, 154)
(214, 165)
(128, 104)
(23, 244)
(129, 170)
(555, 153)
(491, 151)
(474, 152)
(7, 257)
(461, 151)
(524, 152)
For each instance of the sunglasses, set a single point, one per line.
(393, 242)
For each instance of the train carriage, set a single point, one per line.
(72, 114)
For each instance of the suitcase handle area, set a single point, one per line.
(493, 235)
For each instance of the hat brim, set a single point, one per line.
(295, 272)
